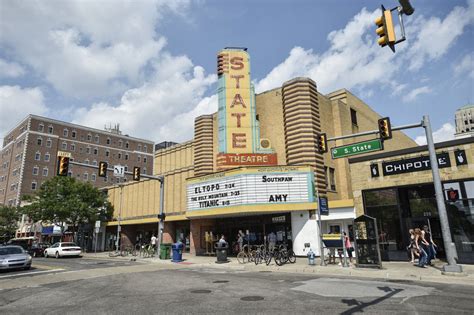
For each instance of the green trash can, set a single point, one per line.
(165, 251)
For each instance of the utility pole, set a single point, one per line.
(119, 228)
(161, 221)
(318, 209)
(449, 246)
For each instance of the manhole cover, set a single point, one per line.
(201, 291)
(220, 281)
(252, 298)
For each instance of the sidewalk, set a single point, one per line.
(396, 271)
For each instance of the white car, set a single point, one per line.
(62, 249)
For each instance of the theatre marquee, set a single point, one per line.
(251, 186)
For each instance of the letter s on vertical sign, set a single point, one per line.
(237, 63)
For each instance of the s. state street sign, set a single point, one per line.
(357, 148)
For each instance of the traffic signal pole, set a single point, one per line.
(450, 249)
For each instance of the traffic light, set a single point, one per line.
(63, 165)
(103, 169)
(322, 143)
(161, 216)
(385, 29)
(453, 195)
(385, 129)
(136, 173)
(407, 8)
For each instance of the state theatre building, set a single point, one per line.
(252, 166)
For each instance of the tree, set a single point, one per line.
(64, 200)
(8, 222)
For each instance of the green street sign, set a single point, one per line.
(357, 148)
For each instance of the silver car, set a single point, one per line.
(14, 257)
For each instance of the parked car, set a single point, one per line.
(14, 257)
(37, 249)
(62, 249)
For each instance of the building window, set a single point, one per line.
(73, 147)
(144, 159)
(47, 156)
(332, 178)
(81, 149)
(127, 145)
(120, 155)
(89, 137)
(126, 168)
(15, 172)
(144, 170)
(50, 129)
(97, 138)
(64, 146)
(126, 156)
(94, 162)
(108, 140)
(40, 141)
(45, 171)
(107, 153)
(139, 147)
(69, 174)
(86, 176)
(145, 148)
(93, 177)
(65, 132)
(96, 151)
(354, 117)
(120, 143)
(40, 127)
(86, 161)
(33, 185)
(49, 143)
(139, 158)
(35, 170)
(88, 150)
(73, 134)
(37, 156)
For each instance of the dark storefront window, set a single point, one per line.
(399, 209)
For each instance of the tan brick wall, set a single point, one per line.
(362, 180)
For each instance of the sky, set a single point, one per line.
(151, 65)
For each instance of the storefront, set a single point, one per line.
(404, 197)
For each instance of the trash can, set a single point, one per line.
(221, 253)
(165, 249)
(177, 249)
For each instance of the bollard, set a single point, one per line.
(311, 257)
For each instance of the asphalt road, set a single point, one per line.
(43, 265)
(153, 289)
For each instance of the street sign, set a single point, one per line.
(97, 224)
(323, 206)
(119, 170)
(65, 154)
(357, 148)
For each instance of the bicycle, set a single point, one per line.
(260, 255)
(128, 250)
(148, 251)
(242, 256)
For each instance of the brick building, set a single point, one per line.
(252, 166)
(29, 154)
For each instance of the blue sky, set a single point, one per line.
(150, 65)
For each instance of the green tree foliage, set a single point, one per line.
(8, 222)
(64, 200)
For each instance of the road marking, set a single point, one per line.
(30, 273)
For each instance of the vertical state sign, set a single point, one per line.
(236, 108)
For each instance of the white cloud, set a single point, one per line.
(16, 103)
(445, 133)
(465, 66)
(161, 109)
(354, 59)
(10, 69)
(430, 38)
(410, 97)
(84, 52)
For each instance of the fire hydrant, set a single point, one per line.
(311, 257)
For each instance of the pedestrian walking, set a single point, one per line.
(153, 241)
(421, 246)
(348, 246)
(431, 245)
(412, 246)
(222, 242)
(271, 241)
